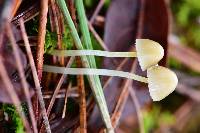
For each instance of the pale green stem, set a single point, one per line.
(88, 45)
(92, 52)
(88, 62)
(92, 71)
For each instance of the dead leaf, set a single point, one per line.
(121, 29)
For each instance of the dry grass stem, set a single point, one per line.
(22, 76)
(82, 102)
(35, 77)
(98, 8)
(65, 103)
(138, 110)
(41, 37)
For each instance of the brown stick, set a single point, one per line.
(120, 104)
(98, 8)
(1, 40)
(41, 37)
(137, 107)
(82, 102)
(16, 4)
(58, 87)
(141, 19)
(72, 11)
(91, 21)
(35, 76)
(22, 76)
(65, 103)
(40, 48)
(118, 68)
(122, 99)
(58, 26)
(63, 77)
(100, 41)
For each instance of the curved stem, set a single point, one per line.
(91, 71)
(93, 52)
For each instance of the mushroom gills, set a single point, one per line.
(149, 53)
(161, 82)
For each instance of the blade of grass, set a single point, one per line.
(88, 44)
(94, 80)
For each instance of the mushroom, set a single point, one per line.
(148, 52)
(161, 81)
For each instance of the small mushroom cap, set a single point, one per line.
(149, 53)
(161, 82)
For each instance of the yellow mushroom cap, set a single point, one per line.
(149, 53)
(161, 82)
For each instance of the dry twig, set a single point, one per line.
(63, 77)
(65, 103)
(35, 76)
(100, 41)
(41, 37)
(22, 76)
(138, 110)
(141, 19)
(122, 99)
(52, 101)
(98, 8)
(82, 102)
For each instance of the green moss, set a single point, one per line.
(16, 122)
(93, 3)
(50, 41)
(175, 64)
(89, 3)
(155, 118)
(183, 15)
(32, 26)
(186, 14)
(67, 40)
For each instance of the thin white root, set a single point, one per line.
(92, 52)
(90, 71)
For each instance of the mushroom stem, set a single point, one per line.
(92, 52)
(91, 71)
